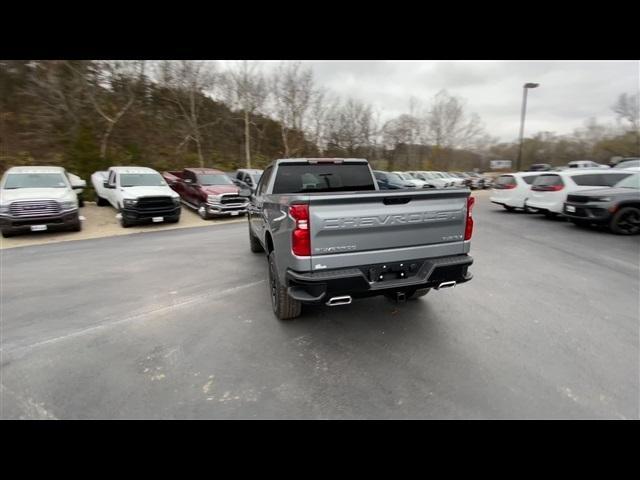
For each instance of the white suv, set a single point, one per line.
(549, 191)
(512, 190)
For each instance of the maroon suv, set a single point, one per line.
(210, 192)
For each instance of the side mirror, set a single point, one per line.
(78, 184)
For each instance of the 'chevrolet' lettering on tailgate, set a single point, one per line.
(399, 219)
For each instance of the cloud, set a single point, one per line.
(570, 92)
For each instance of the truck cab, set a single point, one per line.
(247, 177)
(38, 199)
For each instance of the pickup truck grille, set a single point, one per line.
(232, 199)
(152, 203)
(34, 208)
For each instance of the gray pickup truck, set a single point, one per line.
(331, 235)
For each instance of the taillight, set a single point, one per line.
(510, 186)
(301, 236)
(468, 229)
(547, 188)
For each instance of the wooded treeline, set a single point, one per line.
(87, 115)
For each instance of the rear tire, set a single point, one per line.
(101, 202)
(284, 307)
(7, 233)
(626, 221)
(550, 215)
(80, 201)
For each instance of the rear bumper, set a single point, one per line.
(543, 206)
(23, 224)
(588, 212)
(378, 279)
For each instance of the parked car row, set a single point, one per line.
(42, 198)
(430, 179)
(608, 196)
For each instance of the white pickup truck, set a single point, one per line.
(140, 195)
(39, 198)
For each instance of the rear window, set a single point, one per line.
(529, 179)
(632, 181)
(548, 181)
(599, 179)
(306, 178)
(504, 180)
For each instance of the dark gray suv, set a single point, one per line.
(618, 207)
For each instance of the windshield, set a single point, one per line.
(214, 179)
(141, 180)
(394, 176)
(34, 180)
(632, 181)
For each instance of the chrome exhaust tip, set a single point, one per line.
(335, 301)
(446, 285)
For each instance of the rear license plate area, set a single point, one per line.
(392, 271)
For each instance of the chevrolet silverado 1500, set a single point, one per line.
(208, 191)
(139, 194)
(37, 198)
(330, 234)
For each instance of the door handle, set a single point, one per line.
(396, 200)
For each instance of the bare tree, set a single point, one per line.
(57, 96)
(187, 83)
(447, 124)
(627, 108)
(292, 87)
(352, 126)
(245, 88)
(323, 107)
(102, 85)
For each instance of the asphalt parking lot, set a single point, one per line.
(178, 324)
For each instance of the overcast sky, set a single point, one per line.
(570, 92)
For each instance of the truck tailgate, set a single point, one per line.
(349, 229)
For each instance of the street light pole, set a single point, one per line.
(526, 87)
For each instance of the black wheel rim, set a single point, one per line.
(629, 222)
